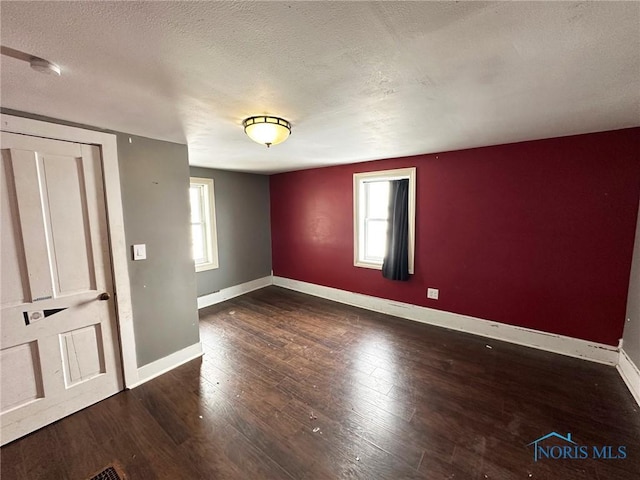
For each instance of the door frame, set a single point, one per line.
(108, 145)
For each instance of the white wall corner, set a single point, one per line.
(235, 291)
(165, 364)
(630, 373)
(572, 347)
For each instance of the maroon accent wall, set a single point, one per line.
(536, 234)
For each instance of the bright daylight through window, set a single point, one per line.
(203, 224)
(371, 209)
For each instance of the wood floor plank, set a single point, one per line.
(297, 387)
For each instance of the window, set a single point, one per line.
(371, 206)
(204, 239)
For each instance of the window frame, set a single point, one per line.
(359, 180)
(208, 213)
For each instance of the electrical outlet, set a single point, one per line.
(433, 293)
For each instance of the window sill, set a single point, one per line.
(206, 266)
(374, 266)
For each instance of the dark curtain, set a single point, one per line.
(396, 258)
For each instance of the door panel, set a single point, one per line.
(32, 230)
(82, 355)
(24, 384)
(11, 252)
(59, 348)
(66, 201)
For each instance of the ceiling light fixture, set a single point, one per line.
(266, 129)
(44, 66)
(38, 64)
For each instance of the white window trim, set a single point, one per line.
(397, 174)
(210, 220)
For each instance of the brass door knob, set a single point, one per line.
(104, 296)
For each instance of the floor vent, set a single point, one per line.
(110, 473)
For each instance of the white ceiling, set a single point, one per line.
(358, 80)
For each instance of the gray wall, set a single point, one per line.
(154, 177)
(244, 229)
(631, 336)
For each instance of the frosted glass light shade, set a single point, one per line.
(267, 130)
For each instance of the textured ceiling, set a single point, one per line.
(358, 80)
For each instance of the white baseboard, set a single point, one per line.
(572, 347)
(163, 365)
(235, 291)
(630, 374)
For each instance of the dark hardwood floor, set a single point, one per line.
(295, 387)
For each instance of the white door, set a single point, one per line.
(59, 344)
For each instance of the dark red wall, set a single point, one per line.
(536, 234)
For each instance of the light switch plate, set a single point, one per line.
(139, 251)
